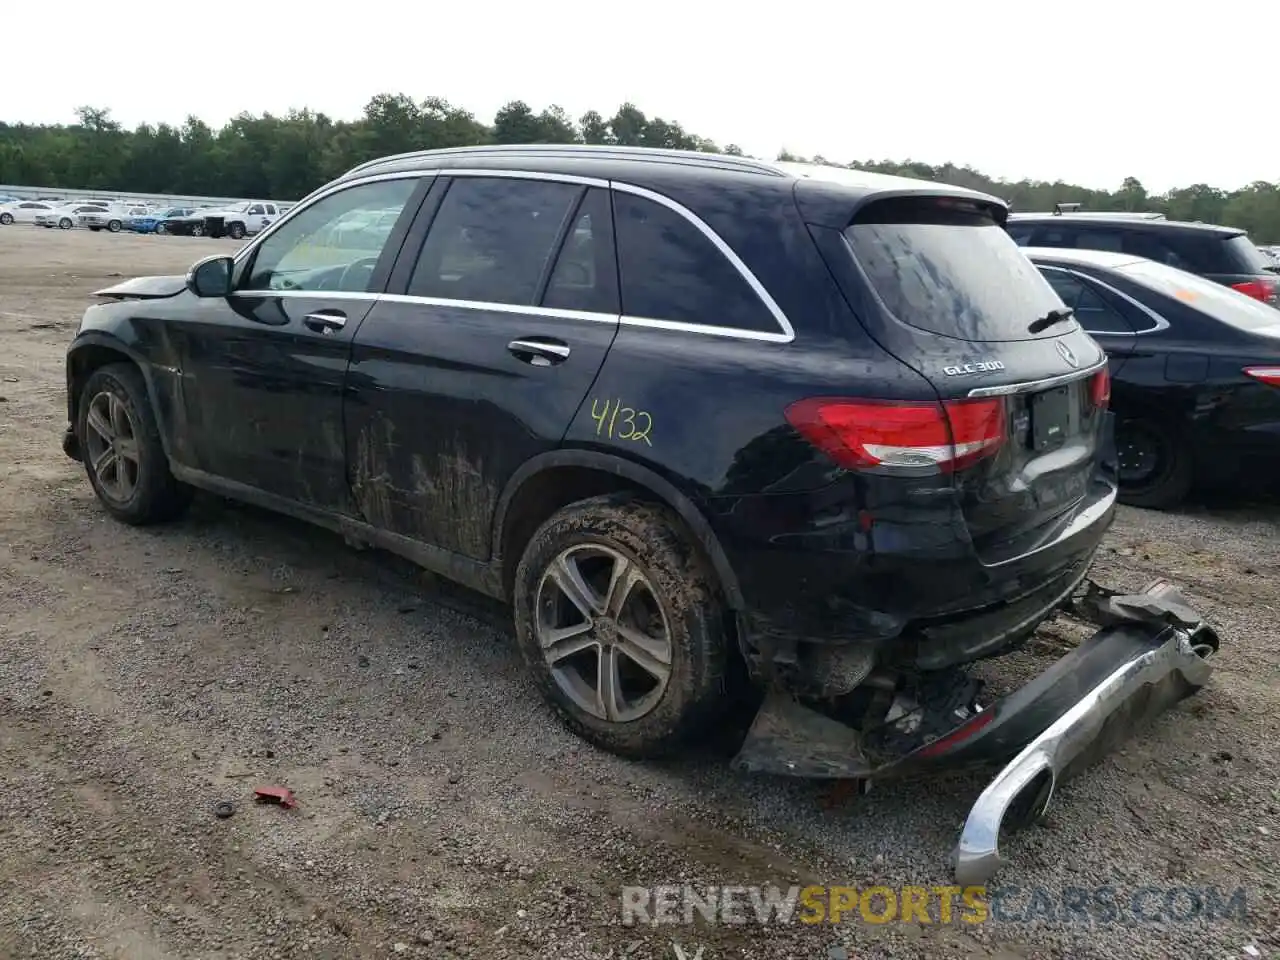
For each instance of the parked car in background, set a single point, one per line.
(1195, 370)
(152, 221)
(113, 218)
(24, 211)
(236, 221)
(66, 217)
(1225, 255)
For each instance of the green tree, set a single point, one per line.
(286, 157)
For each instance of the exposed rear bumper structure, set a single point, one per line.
(1150, 652)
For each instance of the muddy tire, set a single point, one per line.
(121, 449)
(1156, 468)
(640, 597)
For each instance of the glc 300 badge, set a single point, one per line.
(984, 366)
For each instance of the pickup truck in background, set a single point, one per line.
(236, 221)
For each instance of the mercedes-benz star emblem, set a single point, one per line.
(1065, 353)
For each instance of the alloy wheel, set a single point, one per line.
(111, 439)
(603, 633)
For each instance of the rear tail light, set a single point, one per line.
(1268, 375)
(1263, 289)
(927, 437)
(1100, 389)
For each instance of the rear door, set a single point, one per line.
(499, 315)
(948, 292)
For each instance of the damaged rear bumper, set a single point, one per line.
(1150, 652)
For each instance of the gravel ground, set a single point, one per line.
(147, 674)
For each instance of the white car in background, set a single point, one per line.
(113, 218)
(66, 217)
(24, 211)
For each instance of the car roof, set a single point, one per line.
(1127, 223)
(1107, 259)
(647, 166)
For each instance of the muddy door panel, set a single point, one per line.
(445, 402)
(262, 392)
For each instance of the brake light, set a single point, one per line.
(1268, 375)
(929, 436)
(1262, 289)
(1100, 389)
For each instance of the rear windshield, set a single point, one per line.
(947, 267)
(1250, 258)
(1221, 303)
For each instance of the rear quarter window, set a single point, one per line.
(948, 268)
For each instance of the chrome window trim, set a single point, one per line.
(553, 313)
(784, 334)
(1160, 322)
(1031, 386)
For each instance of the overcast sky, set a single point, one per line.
(1087, 91)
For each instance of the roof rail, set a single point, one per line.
(603, 151)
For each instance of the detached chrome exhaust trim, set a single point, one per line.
(1022, 790)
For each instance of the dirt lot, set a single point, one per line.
(147, 674)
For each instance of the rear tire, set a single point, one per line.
(1156, 467)
(236, 231)
(117, 431)
(671, 604)
(114, 226)
(65, 224)
(197, 230)
(6, 218)
(160, 229)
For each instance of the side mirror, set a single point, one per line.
(211, 277)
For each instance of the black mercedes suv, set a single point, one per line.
(693, 416)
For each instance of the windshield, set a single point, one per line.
(1221, 303)
(947, 267)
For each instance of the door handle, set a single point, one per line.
(540, 353)
(326, 321)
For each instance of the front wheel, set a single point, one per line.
(65, 224)
(114, 226)
(160, 228)
(197, 230)
(236, 231)
(1156, 469)
(621, 623)
(6, 218)
(121, 449)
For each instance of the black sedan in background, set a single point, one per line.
(1195, 370)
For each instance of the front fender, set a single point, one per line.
(96, 347)
(638, 474)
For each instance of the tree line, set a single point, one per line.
(285, 157)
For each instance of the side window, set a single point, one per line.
(492, 239)
(302, 256)
(1099, 240)
(256, 209)
(585, 276)
(671, 271)
(1093, 313)
(270, 209)
(1021, 235)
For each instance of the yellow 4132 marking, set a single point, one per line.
(618, 422)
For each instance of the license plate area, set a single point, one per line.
(1050, 418)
